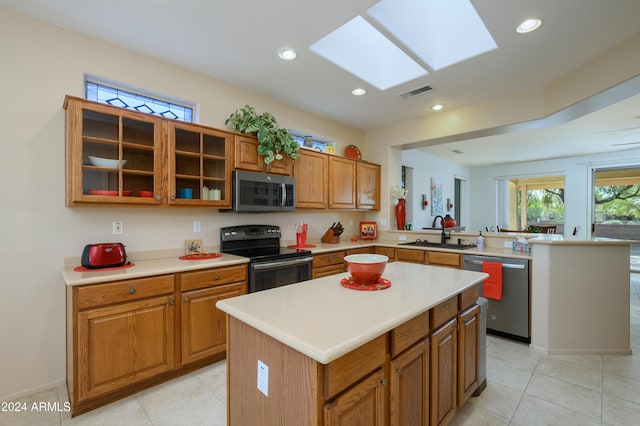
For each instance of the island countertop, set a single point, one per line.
(324, 320)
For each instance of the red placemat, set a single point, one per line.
(85, 269)
(200, 256)
(380, 285)
(302, 247)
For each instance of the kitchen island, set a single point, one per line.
(316, 353)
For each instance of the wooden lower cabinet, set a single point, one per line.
(123, 344)
(443, 373)
(409, 255)
(125, 336)
(406, 377)
(468, 342)
(362, 405)
(409, 387)
(204, 327)
(326, 264)
(390, 252)
(440, 258)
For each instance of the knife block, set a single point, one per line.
(329, 238)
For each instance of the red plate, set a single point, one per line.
(145, 193)
(350, 283)
(108, 193)
(85, 269)
(200, 256)
(352, 151)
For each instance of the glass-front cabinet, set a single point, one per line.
(118, 156)
(113, 156)
(199, 168)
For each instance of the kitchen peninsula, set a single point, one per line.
(316, 353)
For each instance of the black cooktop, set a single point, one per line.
(260, 243)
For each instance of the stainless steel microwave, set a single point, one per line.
(262, 192)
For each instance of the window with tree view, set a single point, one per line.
(536, 204)
(616, 203)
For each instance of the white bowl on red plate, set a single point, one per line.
(105, 163)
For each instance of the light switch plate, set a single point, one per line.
(263, 378)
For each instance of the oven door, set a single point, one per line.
(266, 275)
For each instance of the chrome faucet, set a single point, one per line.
(443, 237)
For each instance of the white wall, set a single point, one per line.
(41, 64)
(425, 166)
(576, 170)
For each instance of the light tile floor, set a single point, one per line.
(523, 388)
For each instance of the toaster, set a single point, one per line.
(103, 255)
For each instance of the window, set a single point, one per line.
(138, 102)
(532, 202)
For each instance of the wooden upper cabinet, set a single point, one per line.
(353, 184)
(198, 158)
(342, 183)
(312, 180)
(114, 155)
(368, 186)
(119, 156)
(247, 158)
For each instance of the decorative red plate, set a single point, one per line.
(108, 193)
(352, 151)
(350, 283)
(200, 256)
(85, 269)
(145, 193)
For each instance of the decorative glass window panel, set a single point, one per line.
(137, 102)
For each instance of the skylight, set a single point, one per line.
(360, 49)
(438, 33)
(441, 33)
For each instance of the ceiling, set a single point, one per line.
(238, 41)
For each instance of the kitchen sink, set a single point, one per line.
(422, 243)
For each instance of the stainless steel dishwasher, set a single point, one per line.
(508, 317)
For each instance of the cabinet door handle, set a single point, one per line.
(132, 290)
(399, 370)
(158, 198)
(217, 277)
(173, 198)
(383, 382)
(171, 301)
(186, 299)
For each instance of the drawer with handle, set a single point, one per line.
(212, 277)
(123, 291)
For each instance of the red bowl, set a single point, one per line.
(366, 268)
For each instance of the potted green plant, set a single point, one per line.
(274, 143)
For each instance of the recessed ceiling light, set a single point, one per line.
(437, 107)
(529, 25)
(287, 54)
(358, 92)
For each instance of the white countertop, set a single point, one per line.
(324, 320)
(147, 267)
(346, 244)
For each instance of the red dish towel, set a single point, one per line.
(492, 286)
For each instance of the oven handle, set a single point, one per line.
(278, 264)
(504, 265)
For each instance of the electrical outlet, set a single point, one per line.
(383, 222)
(197, 226)
(263, 378)
(117, 227)
(402, 237)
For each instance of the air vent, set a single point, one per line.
(415, 92)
